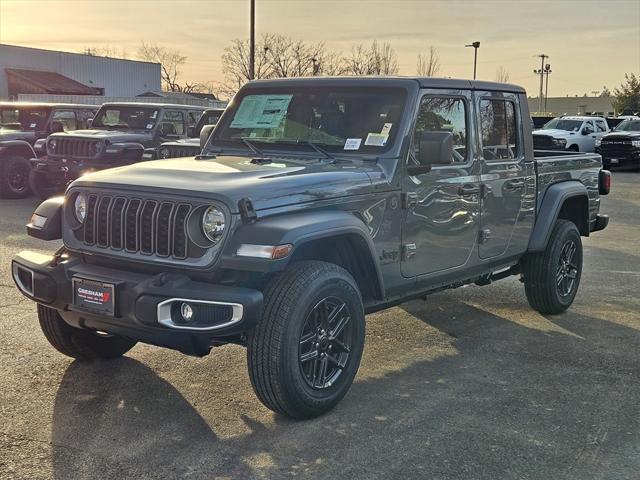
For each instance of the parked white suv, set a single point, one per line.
(571, 133)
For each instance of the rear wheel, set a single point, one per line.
(304, 353)
(14, 177)
(552, 277)
(78, 343)
(41, 185)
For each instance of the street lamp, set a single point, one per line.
(547, 72)
(476, 46)
(252, 41)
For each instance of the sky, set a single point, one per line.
(590, 43)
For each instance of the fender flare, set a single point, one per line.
(552, 202)
(20, 145)
(297, 229)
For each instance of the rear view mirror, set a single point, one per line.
(204, 135)
(434, 148)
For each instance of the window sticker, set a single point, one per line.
(261, 111)
(352, 143)
(33, 125)
(386, 129)
(149, 126)
(155, 114)
(376, 139)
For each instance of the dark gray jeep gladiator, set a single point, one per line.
(23, 128)
(314, 202)
(118, 135)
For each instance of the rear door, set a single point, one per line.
(441, 224)
(507, 179)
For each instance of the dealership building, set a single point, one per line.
(29, 72)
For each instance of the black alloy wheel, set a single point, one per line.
(325, 343)
(567, 271)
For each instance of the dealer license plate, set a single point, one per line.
(614, 160)
(94, 295)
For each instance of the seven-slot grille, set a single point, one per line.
(150, 227)
(75, 147)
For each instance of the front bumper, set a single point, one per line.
(609, 160)
(140, 302)
(61, 171)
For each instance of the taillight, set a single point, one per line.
(604, 182)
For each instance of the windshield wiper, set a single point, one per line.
(252, 146)
(317, 148)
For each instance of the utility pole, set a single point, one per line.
(547, 72)
(476, 46)
(252, 42)
(540, 72)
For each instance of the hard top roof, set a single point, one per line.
(582, 117)
(47, 105)
(391, 81)
(154, 105)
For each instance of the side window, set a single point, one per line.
(66, 118)
(192, 118)
(588, 127)
(601, 126)
(499, 130)
(443, 114)
(172, 123)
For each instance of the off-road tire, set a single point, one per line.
(273, 349)
(541, 269)
(7, 166)
(42, 187)
(78, 343)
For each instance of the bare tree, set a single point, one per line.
(235, 64)
(376, 60)
(292, 58)
(333, 64)
(106, 51)
(502, 75)
(171, 63)
(429, 64)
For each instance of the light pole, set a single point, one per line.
(252, 41)
(476, 46)
(540, 72)
(547, 72)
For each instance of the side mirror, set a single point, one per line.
(587, 131)
(57, 127)
(205, 133)
(434, 148)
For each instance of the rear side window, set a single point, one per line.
(444, 114)
(172, 123)
(66, 118)
(192, 118)
(499, 129)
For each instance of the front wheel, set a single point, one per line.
(14, 177)
(552, 277)
(304, 353)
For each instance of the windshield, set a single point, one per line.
(23, 118)
(563, 124)
(628, 126)
(136, 118)
(345, 119)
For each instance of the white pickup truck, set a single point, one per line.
(571, 133)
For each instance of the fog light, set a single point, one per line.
(186, 311)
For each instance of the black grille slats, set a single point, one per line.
(75, 147)
(150, 227)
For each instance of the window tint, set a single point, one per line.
(443, 114)
(172, 123)
(66, 118)
(600, 126)
(498, 125)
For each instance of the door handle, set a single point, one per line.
(514, 184)
(468, 189)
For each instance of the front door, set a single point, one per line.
(508, 180)
(441, 224)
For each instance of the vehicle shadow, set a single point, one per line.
(531, 397)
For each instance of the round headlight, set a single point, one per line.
(163, 153)
(213, 224)
(51, 145)
(80, 207)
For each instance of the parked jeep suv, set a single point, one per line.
(187, 147)
(21, 126)
(118, 136)
(621, 147)
(314, 202)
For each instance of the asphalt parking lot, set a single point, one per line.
(471, 384)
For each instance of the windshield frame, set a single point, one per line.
(307, 146)
(626, 122)
(142, 106)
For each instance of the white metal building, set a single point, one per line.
(26, 70)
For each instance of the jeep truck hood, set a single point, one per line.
(111, 136)
(230, 178)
